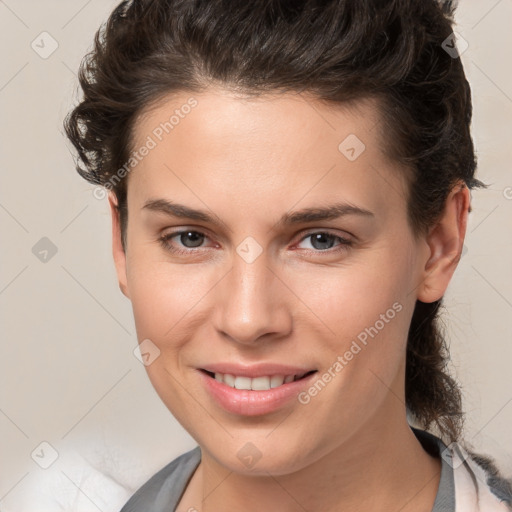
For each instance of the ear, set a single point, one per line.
(117, 247)
(445, 241)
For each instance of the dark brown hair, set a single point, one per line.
(335, 50)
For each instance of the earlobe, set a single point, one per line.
(117, 246)
(445, 242)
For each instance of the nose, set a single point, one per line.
(252, 303)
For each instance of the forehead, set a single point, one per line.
(246, 146)
(220, 116)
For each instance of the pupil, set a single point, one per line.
(191, 236)
(320, 239)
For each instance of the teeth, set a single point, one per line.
(276, 380)
(229, 380)
(243, 382)
(258, 383)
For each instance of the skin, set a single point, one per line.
(248, 162)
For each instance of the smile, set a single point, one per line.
(255, 394)
(262, 383)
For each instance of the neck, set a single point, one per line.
(383, 467)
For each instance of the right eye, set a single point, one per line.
(189, 239)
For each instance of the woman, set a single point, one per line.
(289, 185)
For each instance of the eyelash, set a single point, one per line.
(164, 240)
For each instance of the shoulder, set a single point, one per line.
(469, 482)
(164, 489)
(478, 485)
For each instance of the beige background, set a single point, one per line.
(68, 375)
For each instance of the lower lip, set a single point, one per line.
(246, 402)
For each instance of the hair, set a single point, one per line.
(338, 51)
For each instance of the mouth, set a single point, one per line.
(260, 383)
(254, 389)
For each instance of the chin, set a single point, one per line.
(260, 457)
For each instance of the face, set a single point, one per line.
(270, 263)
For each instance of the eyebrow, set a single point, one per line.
(314, 214)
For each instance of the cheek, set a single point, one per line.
(163, 299)
(364, 309)
(353, 296)
(161, 293)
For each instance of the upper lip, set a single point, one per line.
(256, 370)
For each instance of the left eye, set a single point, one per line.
(321, 241)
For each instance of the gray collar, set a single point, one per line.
(445, 497)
